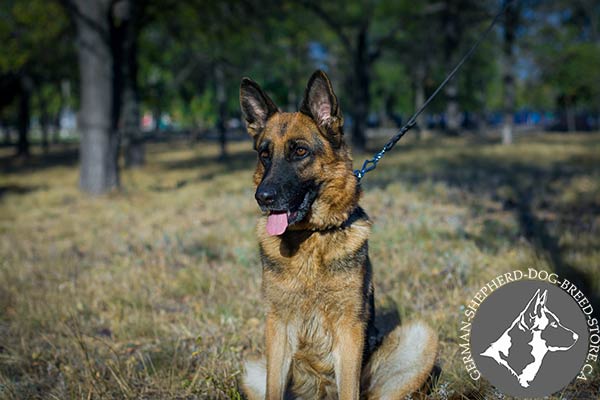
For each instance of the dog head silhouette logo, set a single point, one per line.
(529, 339)
(545, 330)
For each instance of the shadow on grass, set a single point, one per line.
(18, 189)
(239, 161)
(66, 156)
(232, 162)
(528, 190)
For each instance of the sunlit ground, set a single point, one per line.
(154, 292)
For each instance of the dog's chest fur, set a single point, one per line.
(324, 278)
(316, 271)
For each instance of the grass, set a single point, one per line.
(154, 291)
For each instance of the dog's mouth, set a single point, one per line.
(279, 220)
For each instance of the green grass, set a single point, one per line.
(154, 292)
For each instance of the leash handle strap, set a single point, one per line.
(371, 164)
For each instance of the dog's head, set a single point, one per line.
(537, 317)
(304, 174)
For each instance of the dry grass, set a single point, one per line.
(154, 292)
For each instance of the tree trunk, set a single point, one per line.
(451, 41)
(45, 142)
(99, 143)
(125, 35)
(570, 114)
(7, 140)
(510, 23)
(388, 115)
(24, 115)
(65, 94)
(44, 122)
(292, 97)
(419, 86)
(156, 116)
(222, 109)
(452, 110)
(362, 96)
(292, 54)
(507, 128)
(57, 127)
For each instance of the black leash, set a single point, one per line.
(371, 164)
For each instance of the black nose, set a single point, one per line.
(265, 196)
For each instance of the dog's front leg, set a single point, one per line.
(279, 357)
(348, 352)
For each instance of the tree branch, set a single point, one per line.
(383, 41)
(73, 9)
(336, 26)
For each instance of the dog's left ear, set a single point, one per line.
(321, 104)
(540, 302)
(533, 310)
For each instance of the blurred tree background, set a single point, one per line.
(128, 256)
(114, 74)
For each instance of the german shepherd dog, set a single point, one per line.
(321, 341)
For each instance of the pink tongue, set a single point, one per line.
(277, 223)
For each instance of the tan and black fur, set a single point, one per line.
(321, 341)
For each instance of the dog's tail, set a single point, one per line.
(254, 380)
(401, 364)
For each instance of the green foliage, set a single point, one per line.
(480, 81)
(47, 100)
(391, 79)
(30, 33)
(35, 42)
(565, 51)
(182, 46)
(200, 111)
(536, 94)
(576, 71)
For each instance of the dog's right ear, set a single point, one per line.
(256, 106)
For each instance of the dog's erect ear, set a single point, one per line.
(530, 312)
(256, 106)
(540, 303)
(321, 104)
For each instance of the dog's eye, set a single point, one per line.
(300, 152)
(264, 154)
(554, 325)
